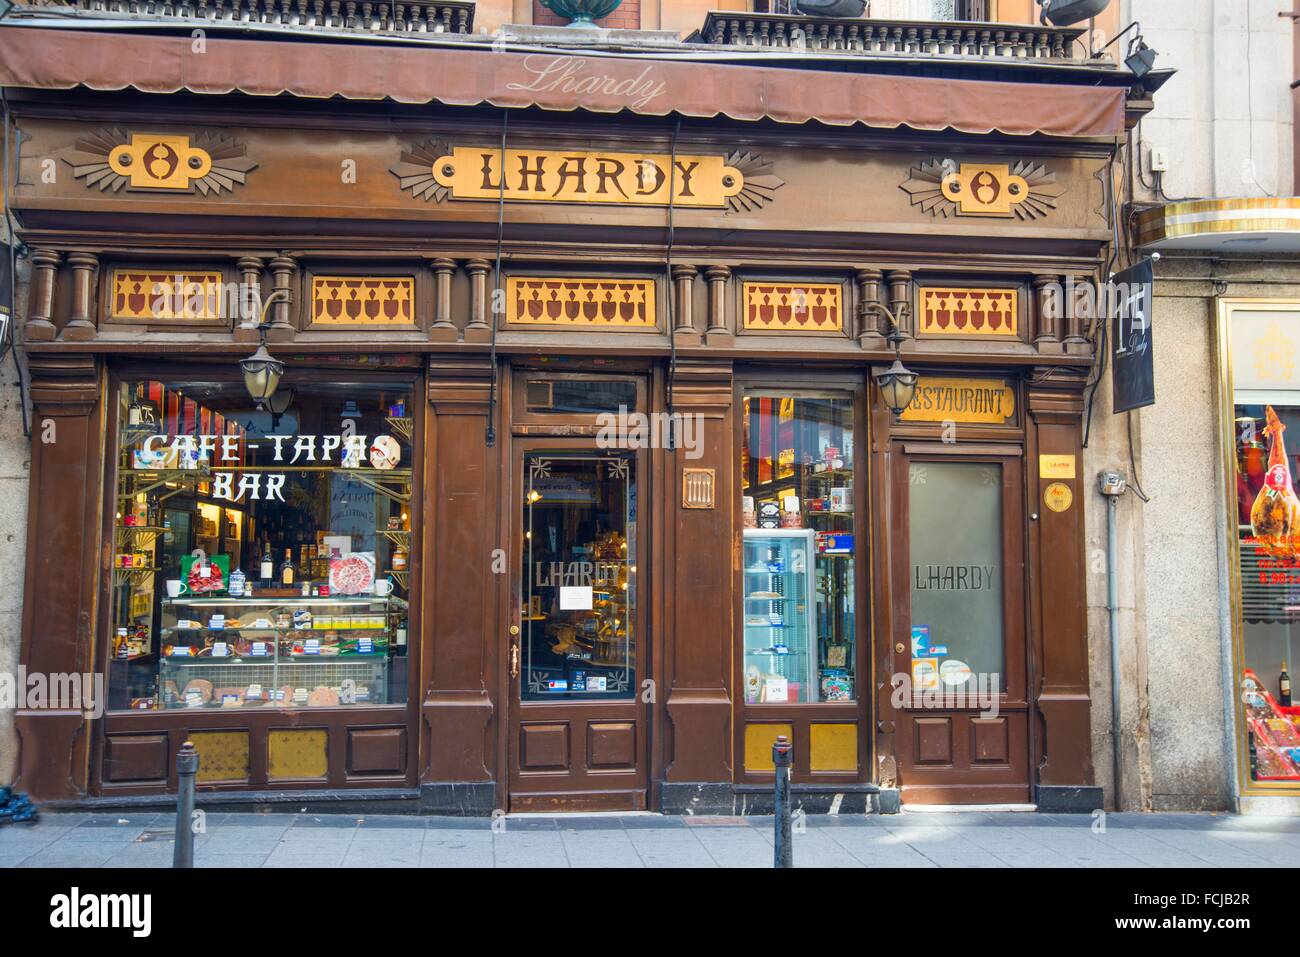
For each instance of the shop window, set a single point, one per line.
(262, 557)
(1266, 434)
(799, 584)
(955, 536)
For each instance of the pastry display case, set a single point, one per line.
(288, 652)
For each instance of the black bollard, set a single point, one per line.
(781, 756)
(187, 766)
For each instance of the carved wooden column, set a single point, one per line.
(718, 332)
(1080, 311)
(80, 326)
(698, 644)
(1058, 597)
(442, 329)
(683, 303)
(459, 653)
(870, 331)
(478, 329)
(1046, 306)
(250, 278)
(40, 313)
(65, 565)
(900, 301)
(283, 269)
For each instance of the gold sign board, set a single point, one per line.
(583, 176)
(969, 401)
(1056, 466)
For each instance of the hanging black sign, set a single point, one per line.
(1132, 366)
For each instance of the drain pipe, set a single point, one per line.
(1112, 485)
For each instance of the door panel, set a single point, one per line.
(577, 737)
(959, 587)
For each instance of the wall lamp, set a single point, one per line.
(262, 370)
(897, 383)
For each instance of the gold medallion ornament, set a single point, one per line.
(1058, 497)
(1023, 190)
(435, 170)
(113, 159)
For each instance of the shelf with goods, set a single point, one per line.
(777, 602)
(278, 650)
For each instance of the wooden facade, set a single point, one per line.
(319, 197)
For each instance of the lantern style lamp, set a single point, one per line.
(262, 373)
(897, 386)
(897, 382)
(262, 370)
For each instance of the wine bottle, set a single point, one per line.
(267, 571)
(288, 572)
(1284, 688)
(1275, 516)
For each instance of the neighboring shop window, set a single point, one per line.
(262, 557)
(955, 534)
(1266, 433)
(799, 583)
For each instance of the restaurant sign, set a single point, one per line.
(969, 401)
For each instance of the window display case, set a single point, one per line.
(780, 653)
(287, 652)
(261, 558)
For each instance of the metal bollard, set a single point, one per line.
(187, 766)
(782, 752)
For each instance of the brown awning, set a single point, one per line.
(63, 59)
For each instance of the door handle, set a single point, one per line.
(514, 651)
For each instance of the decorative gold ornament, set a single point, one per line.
(112, 159)
(1024, 190)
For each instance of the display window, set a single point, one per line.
(262, 556)
(799, 629)
(1265, 437)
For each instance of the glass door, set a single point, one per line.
(577, 651)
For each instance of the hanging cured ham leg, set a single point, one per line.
(1275, 516)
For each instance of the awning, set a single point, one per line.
(562, 81)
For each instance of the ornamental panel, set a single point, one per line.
(793, 307)
(160, 295)
(608, 303)
(969, 312)
(363, 300)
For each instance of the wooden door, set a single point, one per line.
(959, 629)
(576, 648)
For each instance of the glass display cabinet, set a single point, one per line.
(779, 602)
(280, 651)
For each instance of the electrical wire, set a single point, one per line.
(672, 292)
(490, 436)
(10, 341)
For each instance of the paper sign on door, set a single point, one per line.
(575, 598)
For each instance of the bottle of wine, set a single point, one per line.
(1275, 516)
(288, 571)
(1284, 688)
(266, 573)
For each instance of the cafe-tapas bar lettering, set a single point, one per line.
(979, 401)
(578, 176)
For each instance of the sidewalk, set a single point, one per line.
(910, 839)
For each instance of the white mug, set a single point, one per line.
(176, 588)
(382, 587)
